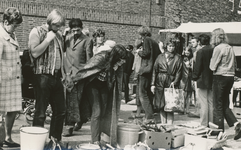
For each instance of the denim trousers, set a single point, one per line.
(49, 90)
(97, 93)
(221, 90)
(206, 101)
(145, 95)
(125, 85)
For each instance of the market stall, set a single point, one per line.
(233, 31)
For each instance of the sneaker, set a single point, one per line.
(237, 131)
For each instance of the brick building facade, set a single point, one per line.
(121, 18)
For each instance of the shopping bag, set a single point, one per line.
(174, 100)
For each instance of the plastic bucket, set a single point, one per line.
(33, 138)
(127, 134)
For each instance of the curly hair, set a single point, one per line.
(12, 15)
(144, 31)
(168, 42)
(97, 33)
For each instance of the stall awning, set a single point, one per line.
(233, 29)
(228, 27)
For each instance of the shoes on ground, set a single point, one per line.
(192, 115)
(98, 144)
(10, 144)
(67, 131)
(237, 131)
(56, 145)
(142, 111)
(78, 126)
(135, 117)
(148, 121)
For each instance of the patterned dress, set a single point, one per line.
(10, 73)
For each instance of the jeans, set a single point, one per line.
(126, 78)
(145, 95)
(221, 89)
(49, 90)
(206, 101)
(97, 93)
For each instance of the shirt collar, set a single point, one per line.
(6, 35)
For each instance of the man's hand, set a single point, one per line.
(50, 36)
(153, 89)
(172, 84)
(66, 31)
(69, 84)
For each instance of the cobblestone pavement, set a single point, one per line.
(83, 135)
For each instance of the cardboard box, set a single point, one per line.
(156, 140)
(197, 142)
(178, 137)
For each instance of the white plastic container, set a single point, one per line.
(127, 134)
(33, 138)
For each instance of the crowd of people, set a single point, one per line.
(82, 77)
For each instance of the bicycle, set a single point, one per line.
(29, 113)
(25, 103)
(28, 106)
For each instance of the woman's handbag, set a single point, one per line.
(174, 100)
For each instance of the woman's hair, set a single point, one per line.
(12, 15)
(118, 52)
(55, 17)
(97, 33)
(168, 42)
(130, 47)
(218, 36)
(190, 51)
(75, 23)
(144, 31)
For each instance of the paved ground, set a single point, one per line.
(83, 136)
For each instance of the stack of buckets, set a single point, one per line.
(127, 134)
(33, 138)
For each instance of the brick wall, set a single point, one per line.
(119, 18)
(178, 11)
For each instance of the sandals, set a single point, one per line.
(10, 144)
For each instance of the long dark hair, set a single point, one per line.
(118, 52)
(191, 53)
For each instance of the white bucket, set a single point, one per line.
(127, 134)
(33, 138)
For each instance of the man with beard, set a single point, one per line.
(78, 51)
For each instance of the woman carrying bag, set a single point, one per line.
(167, 72)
